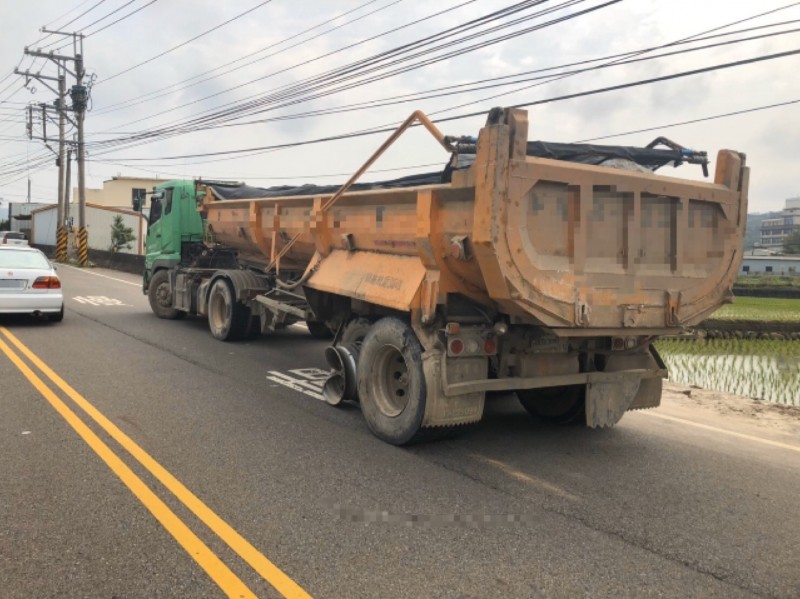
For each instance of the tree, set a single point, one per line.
(791, 245)
(121, 236)
(5, 225)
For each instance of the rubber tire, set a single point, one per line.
(557, 405)
(319, 330)
(160, 284)
(56, 317)
(355, 331)
(228, 320)
(387, 340)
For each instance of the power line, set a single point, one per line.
(122, 18)
(697, 36)
(693, 121)
(482, 112)
(493, 82)
(150, 96)
(181, 45)
(248, 106)
(299, 64)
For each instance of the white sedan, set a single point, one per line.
(29, 284)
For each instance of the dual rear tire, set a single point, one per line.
(391, 382)
(557, 405)
(228, 319)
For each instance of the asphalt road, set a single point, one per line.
(142, 458)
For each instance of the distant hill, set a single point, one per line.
(752, 233)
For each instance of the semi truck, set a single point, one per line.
(542, 269)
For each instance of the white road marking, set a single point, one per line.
(97, 274)
(306, 380)
(309, 381)
(723, 431)
(99, 300)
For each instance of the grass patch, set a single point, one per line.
(764, 309)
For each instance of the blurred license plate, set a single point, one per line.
(12, 283)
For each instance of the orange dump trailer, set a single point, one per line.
(520, 273)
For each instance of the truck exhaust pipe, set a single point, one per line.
(342, 383)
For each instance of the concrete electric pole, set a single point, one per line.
(80, 97)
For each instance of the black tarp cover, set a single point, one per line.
(649, 158)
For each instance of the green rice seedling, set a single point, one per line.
(765, 309)
(760, 368)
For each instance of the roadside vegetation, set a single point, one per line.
(755, 281)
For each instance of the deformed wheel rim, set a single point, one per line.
(391, 378)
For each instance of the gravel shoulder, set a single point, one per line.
(729, 410)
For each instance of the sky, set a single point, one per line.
(157, 63)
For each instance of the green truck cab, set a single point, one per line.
(174, 222)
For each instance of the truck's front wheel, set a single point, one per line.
(227, 319)
(160, 295)
(391, 382)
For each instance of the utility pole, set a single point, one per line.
(79, 96)
(60, 107)
(66, 225)
(79, 102)
(67, 184)
(61, 237)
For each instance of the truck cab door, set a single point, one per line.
(154, 226)
(164, 226)
(163, 235)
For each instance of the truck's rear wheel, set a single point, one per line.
(559, 405)
(355, 331)
(227, 319)
(391, 382)
(319, 330)
(160, 295)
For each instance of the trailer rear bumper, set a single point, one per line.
(608, 394)
(539, 382)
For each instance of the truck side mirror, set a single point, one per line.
(138, 199)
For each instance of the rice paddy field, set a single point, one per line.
(762, 309)
(746, 363)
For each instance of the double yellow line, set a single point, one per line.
(229, 582)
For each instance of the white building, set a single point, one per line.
(775, 230)
(770, 265)
(19, 215)
(117, 192)
(98, 224)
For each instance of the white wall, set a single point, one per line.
(43, 230)
(98, 225)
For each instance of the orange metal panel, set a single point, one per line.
(382, 279)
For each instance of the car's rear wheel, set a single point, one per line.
(58, 316)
